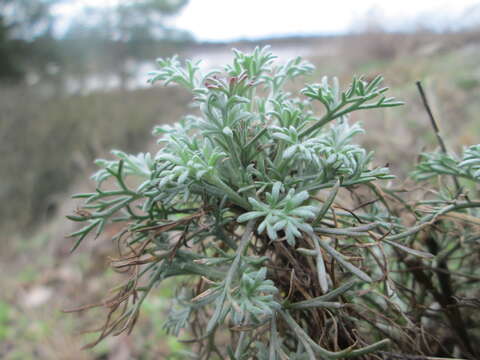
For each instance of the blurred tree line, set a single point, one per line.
(99, 39)
(43, 50)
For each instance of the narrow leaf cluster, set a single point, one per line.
(231, 205)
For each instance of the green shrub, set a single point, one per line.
(244, 204)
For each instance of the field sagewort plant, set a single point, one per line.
(239, 204)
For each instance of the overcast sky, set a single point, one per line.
(216, 20)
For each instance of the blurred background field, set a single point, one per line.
(72, 90)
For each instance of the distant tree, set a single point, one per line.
(137, 28)
(26, 37)
(115, 36)
(9, 51)
(101, 40)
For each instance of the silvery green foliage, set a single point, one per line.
(438, 163)
(178, 316)
(139, 166)
(247, 165)
(254, 297)
(284, 213)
